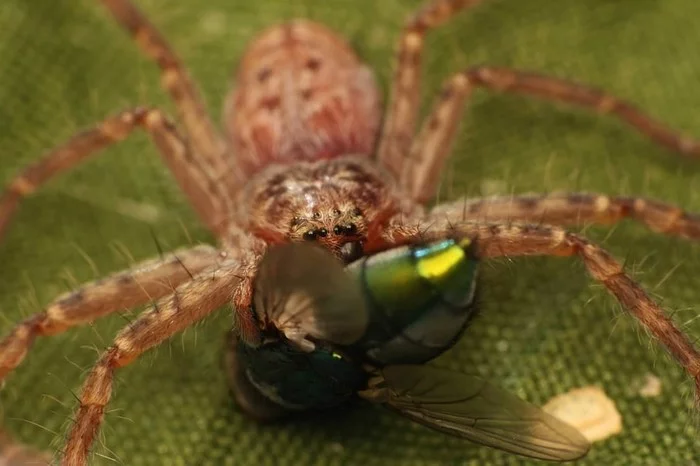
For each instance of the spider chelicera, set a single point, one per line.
(307, 154)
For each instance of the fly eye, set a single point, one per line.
(310, 235)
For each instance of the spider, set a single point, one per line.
(307, 155)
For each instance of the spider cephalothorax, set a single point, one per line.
(304, 158)
(343, 200)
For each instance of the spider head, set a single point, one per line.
(340, 204)
(340, 227)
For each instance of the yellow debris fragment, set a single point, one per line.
(589, 410)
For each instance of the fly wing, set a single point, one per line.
(304, 291)
(471, 408)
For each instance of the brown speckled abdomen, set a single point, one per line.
(301, 95)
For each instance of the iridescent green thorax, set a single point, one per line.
(420, 299)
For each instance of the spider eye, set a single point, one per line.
(349, 229)
(322, 232)
(310, 235)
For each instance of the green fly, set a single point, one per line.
(335, 333)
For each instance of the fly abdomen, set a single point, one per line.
(420, 298)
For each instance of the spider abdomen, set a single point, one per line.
(301, 95)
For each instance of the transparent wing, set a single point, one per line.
(305, 291)
(471, 408)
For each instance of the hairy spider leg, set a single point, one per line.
(209, 148)
(574, 209)
(417, 160)
(404, 96)
(514, 240)
(172, 148)
(421, 171)
(188, 304)
(126, 289)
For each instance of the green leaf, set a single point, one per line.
(545, 327)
